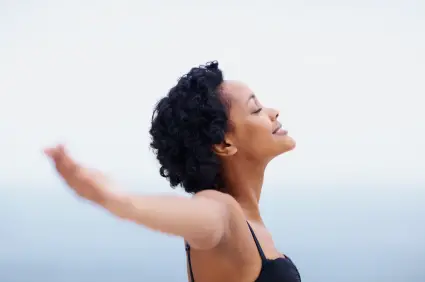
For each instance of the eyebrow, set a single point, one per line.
(252, 96)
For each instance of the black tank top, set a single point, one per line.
(272, 270)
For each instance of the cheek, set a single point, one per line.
(260, 126)
(256, 134)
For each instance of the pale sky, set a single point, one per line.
(348, 77)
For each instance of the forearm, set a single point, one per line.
(201, 221)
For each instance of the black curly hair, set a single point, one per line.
(186, 124)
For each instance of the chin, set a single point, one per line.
(288, 144)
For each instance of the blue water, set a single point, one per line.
(338, 234)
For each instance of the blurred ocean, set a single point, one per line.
(334, 235)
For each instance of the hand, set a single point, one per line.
(87, 183)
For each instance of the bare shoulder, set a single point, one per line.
(234, 215)
(223, 198)
(236, 248)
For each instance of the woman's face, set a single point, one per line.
(255, 131)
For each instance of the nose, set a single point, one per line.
(274, 114)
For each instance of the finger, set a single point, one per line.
(64, 162)
(53, 152)
(50, 152)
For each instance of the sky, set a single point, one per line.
(347, 77)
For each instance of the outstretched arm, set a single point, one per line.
(202, 220)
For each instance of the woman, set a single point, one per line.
(214, 138)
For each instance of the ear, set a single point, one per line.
(225, 149)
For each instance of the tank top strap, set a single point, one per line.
(189, 262)
(257, 243)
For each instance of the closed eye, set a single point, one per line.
(257, 111)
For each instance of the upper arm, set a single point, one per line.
(225, 210)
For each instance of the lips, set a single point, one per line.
(279, 130)
(279, 126)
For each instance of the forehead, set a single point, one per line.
(236, 91)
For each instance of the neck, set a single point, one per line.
(244, 181)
